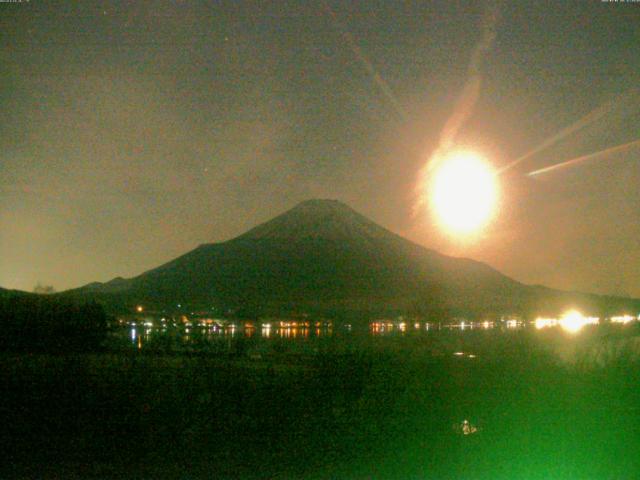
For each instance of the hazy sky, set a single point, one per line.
(131, 132)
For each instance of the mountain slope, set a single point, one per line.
(323, 257)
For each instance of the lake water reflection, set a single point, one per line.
(300, 336)
(221, 335)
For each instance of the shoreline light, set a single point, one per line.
(622, 319)
(541, 322)
(573, 321)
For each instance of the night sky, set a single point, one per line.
(132, 132)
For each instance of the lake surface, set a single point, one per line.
(141, 335)
(462, 339)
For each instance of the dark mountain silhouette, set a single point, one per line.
(322, 257)
(13, 293)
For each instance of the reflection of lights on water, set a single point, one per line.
(295, 332)
(458, 354)
(266, 330)
(622, 319)
(512, 324)
(133, 334)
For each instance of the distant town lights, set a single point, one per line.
(622, 319)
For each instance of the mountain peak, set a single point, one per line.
(318, 218)
(322, 203)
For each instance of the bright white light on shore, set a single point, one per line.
(573, 321)
(464, 192)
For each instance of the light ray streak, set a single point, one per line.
(583, 122)
(362, 58)
(590, 156)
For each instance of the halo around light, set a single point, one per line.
(463, 192)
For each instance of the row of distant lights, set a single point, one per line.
(573, 321)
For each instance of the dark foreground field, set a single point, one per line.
(538, 406)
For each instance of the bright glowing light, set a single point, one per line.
(139, 308)
(573, 321)
(464, 192)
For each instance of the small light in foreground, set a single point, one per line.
(465, 428)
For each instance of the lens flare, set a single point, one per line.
(463, 192)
